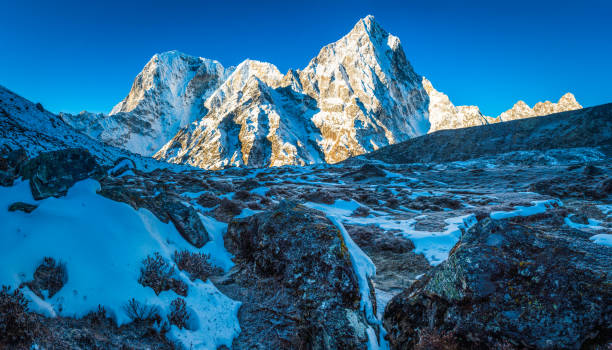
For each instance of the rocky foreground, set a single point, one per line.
(509, 252)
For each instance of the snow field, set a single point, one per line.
(102, 243)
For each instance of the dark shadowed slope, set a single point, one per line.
(588, 127)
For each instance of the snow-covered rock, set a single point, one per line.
(443, 114)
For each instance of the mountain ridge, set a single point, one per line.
(356, 95)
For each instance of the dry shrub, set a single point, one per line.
(196, 264)
(138, 311)
(178, 313)
(157, 274)
(17, 326)
(97, 317)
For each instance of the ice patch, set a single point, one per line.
(593, 224)
(246, 212)
(364, 269)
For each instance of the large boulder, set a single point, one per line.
(508, 283)
(53, 173)
(160, 200)
(305, 259)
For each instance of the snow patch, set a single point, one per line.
(538, 207)
(102, 243)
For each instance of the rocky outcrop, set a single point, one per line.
(10, 162)
(53, 173)
(165, 204)
(306, 263)
(21, 206)
(508, 283)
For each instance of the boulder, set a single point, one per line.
(575, 186)
(165, 204)
(302, 250)
(508, 283)
(366, 172)
(53, 173)
(21, 206)
(187, 222)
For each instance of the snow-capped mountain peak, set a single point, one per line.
(166, 95)
(358, 94)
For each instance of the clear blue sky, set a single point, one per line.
(76, 55)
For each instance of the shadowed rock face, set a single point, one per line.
(588, 127)
(53, 173)
(499, 284)
(166, 205)
(304, 253)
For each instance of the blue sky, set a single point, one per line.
(77, 55)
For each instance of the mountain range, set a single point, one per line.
(357, 95)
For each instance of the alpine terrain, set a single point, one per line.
(346, 205)
(359, 94)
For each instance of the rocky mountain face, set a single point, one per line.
(360, 93)
(444, 115)
(167, 95)
(521, 110)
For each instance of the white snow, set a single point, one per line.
(102, 243)
(603, 239)
(435, 246)
(593, 224)
(538, 207)
(364, 269)
(260, 190)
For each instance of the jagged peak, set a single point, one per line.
(167, 57)
(520, 104)
(569, 98)
(266, 72)
(367, 25)
(427, 85)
